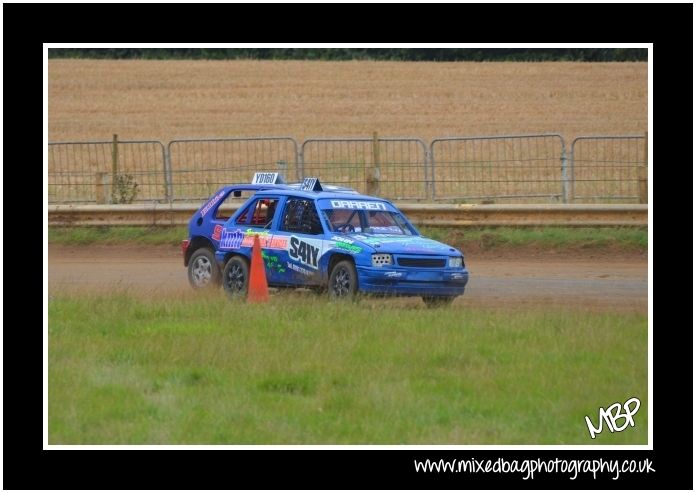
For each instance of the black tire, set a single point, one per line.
(203, 270)
(343, 281)
(437, 301)
(235, 277)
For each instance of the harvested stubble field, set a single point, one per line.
(164, 100)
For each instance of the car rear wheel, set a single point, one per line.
(437, 301)
(235, 277)
(343, 281)
(203, 271)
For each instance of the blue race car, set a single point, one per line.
(323, 238)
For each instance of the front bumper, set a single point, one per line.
(399, 281)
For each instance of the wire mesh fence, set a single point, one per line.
(106, 172)
(609, 169)
(396, 168)
(488, 169)
(198, 167)
(512, 168)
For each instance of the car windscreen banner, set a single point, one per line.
(356, 204)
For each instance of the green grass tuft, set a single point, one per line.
(116, 235)
(487, 238)
(550, 237)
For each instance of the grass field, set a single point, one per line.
(634, 239)
(139, 369)
(164, 100)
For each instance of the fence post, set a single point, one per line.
(372, 175)
(566, 177)
(114, 167)
(643, 176)
(168, 187)
(429, 180)
(99, 179)
(572, 171)
(299, 165)
(300, 161)
(282, 166)
(433, 178)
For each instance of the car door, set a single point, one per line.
(300, 228)
(259, 219)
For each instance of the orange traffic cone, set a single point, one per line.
(258, 287)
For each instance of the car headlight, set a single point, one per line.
(380, 259)
(456, 262)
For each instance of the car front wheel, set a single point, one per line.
(203, 271)
(235, 277)
(343, 281)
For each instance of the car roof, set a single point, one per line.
(326, 194)
(292, 189)
(288, 186)
(327, 188)
(249, 186)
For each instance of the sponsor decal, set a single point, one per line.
(348, 247)
(251, 232)
(394, 274)
(374, 241)
(264, 237)
(387, 238)
(457, 275)
(407, 243)
(278, 243)
(387, 230)
(299, 269)
(371, 240)
(212, 202)
(266, 241)
(343, 239)
(217, 231)
(356, 204)
(305, 251)
(231, 239)
(272, 262)
(419, 249)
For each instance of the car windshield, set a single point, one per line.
(362, 221)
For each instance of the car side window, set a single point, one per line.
(231, 203)
(261, 211)
(300, 216)
(244, 216)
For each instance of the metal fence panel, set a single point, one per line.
(506, 168)
(402, 164)
(200, 166)
(503, 169)
(609, 169)
(106, 172)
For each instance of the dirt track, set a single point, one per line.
(604, 283)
